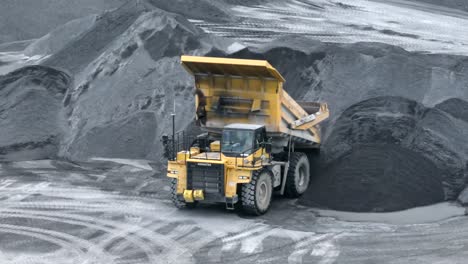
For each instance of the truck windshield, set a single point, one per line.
(237, 141)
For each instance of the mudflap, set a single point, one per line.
(230, 202)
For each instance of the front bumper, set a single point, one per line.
(191, 196)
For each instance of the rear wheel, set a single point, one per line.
(181, 204)
(256, 195)
(298, 177)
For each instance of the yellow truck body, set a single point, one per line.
(238, 101)
(251, 92)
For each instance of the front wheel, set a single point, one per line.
(298, 177)
(181, 204)
(256, 195)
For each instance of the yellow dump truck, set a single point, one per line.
(256, 137)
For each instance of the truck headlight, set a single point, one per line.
(246, 161)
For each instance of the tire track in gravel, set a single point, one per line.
(129, 234)
(134, 234)
(70, 247)
(177, 243)
(85, 250)
(110, 227)
(87, 222)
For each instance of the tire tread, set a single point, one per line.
(175, 200)
(248, 196)
(290, 190)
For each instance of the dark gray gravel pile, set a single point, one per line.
(127, 79)
(391, 153)
(31, 113)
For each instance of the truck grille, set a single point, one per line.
(208, 177)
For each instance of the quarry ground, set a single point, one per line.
(394, 73)
(117, 211)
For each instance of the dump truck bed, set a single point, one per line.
(251, 92)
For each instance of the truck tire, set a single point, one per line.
(179, 203)
(298, 178)
(256, 195)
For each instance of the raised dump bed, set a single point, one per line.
(251, 92)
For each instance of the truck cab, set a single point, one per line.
(242, 139)
(214, 167)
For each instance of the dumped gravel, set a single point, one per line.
(377, 178)
(390, 153)
(371, 164)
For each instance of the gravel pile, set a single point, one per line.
(31, 113)
(387, 154)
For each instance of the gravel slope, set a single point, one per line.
(29, 19)
(32, 120)
(127, 76)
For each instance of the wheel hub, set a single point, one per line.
(302, 180)
(301, 176)
(263, 194)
